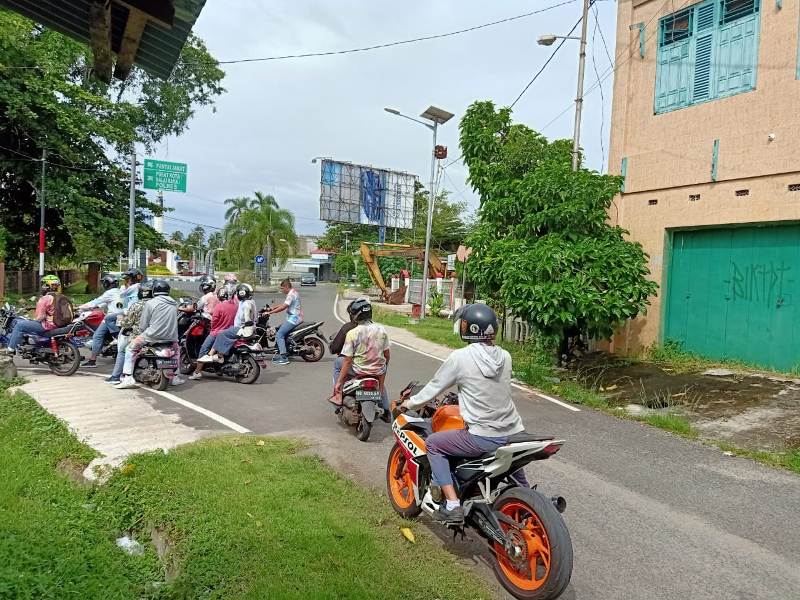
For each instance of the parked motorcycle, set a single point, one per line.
(529, 541)
(361, 405)
(306, 340)
(243, 364)
(155, 365)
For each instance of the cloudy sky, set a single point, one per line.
(278, 115)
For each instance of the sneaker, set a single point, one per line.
(454, 516)
(195, 376)
(112, 380)
(89, 364)
(280, 360)
(218, 358)
(205, 359)
(127, 383)
(177, 380)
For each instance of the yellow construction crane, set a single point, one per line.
(370, 251)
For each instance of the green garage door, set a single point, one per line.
(732, 293)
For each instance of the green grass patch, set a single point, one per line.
(790, 459)
(245, 517)
(670, 422)
(672, 356)
(433, 329)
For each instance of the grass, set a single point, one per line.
(790, 459)
(244, 518)
(433, 329)
(673, 357)
(677, 424)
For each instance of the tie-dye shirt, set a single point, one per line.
(366, 345)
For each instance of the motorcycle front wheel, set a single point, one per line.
(316, 349)
(67, 361)
(400, 485)
(250, 370)
(543, 569)
(185, 364)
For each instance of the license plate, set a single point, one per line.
(167, 363)
(368, 395)
(259, 355)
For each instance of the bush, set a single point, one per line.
(435, 303)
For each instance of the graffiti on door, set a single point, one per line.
(760, 282)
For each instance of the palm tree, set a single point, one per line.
(236, 206)
(263, 201)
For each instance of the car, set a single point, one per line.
(308, 279)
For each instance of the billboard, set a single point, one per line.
(351, 193)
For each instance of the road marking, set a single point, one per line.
(172, 398)
(522, 388)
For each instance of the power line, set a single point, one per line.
(49, 162)
(602, 94)
(397, 43)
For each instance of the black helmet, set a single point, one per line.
(224, 293)
(208, 284)
(478, 323)
(244, 291)
(160, 287)
(350, 310)
(135, 275)
(109, 281)
(361, 310)
(146, 290)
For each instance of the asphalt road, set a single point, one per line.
(652, 516)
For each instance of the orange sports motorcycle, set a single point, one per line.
(527, 536)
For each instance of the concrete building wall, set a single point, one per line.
(669, 155)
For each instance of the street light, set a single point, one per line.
(346, 239)
(548, 40)
(212, 257)
(437, 116)
(194, 256)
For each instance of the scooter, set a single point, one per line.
(306, 340)
(361, 405)
(156, 365)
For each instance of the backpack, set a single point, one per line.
(63, 311)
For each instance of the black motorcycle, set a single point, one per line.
(243, 364)
(306, 340)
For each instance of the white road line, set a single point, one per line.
(523, 388)
(172, 398)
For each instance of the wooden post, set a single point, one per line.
(130, 43)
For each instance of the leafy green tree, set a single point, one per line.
(49, 103)
(236, 206)
(344, 264)
(449, 226)
(542, 245)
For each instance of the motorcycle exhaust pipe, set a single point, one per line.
(560, 503)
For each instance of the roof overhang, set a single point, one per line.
(147, 33)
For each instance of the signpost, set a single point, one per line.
(260, 259)
(164, 176)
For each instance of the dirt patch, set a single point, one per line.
(752, 410)
(73, 470)
(165, 548)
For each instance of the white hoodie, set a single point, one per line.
(483, 376)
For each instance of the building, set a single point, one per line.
(705, 129)
(305, 244)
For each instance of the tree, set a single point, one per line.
(236, 206)
(542, 245)
(448, 225)
(48, 102)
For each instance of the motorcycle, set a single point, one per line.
(244, 363)
(361, 405)
(155, 365)
(91, 320)
(185, 318)
(528, 539)
(306, 340)
(8, 317)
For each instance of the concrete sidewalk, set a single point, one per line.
(116, 423)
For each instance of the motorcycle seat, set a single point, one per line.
(55, 332)
(524, 436)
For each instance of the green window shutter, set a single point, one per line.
(705, 23)
(673, 77)
(624, 172)
(737, 47)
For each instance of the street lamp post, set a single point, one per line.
(548, 40)
(437, 116)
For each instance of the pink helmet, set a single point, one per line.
(230, 278)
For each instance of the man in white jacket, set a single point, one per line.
(482, 372)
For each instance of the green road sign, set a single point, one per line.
(165, 176)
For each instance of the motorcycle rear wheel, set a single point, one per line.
(252, 370)
(363, 429)
(400, 486)
(69, 360)
(545, 567)
(317, 350)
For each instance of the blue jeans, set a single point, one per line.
(206, 345)
(225, 340)
(281, 335)
(122, 343)
(337, 368)
(460, 443)
(21, 328)
(108, 324)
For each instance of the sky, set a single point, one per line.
(276, 116)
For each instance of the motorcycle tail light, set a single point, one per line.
(551, 449)
(369, 384)
(83, 333)
(196, 331)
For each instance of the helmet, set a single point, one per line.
(208, 284)
(230, 278)
(350, 311)
(160, 287)
(146, 290)
(361, 310)
(478, 323)
(51, 282)
(244, 291)
(109, 281)
(135, 275)
(223, 293)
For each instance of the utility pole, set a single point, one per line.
(576, 136)
(41, 215)
(132, 209)
(432, 195)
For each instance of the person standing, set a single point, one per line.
(294, 316)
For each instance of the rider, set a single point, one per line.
(482, 372)
(208, 301)
(223, 317)
(158, 324)
(295, 316)
(111, 300)
(243, 326)
(132, 278)
(337, 343)
(128, 324)
(230, 281)
(43, 319)
(365, 351)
